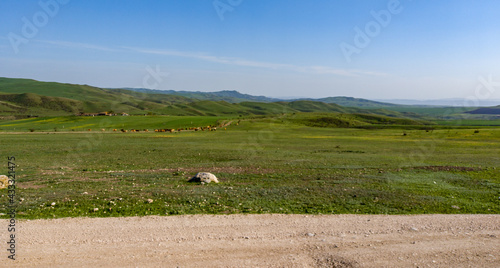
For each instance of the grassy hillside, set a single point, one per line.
(486, 110)
(356, 102)
(53, 89)
(108, 123)
(231, 96)
(86, 98)
(258, 108)
(32, 100)
(154, 96)
(338, 120)
(25, 97)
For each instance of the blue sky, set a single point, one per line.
(379, 49)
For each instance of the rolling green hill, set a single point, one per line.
(32, 103)
(297, 119)
(49, 98)
(359, 120)
(356, 102)
(486, 110)
(231, 96)
(53, 89)
(25, 98)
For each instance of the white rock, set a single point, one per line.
(204, 177)
(4, 181)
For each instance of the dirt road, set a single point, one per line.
(259, 241)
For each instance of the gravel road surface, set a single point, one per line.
(259, 241)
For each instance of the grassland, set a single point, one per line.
(266, 165)
(108, 123)
(83, 123)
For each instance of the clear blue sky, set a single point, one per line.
(425, 50)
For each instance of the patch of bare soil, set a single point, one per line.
(447, 168)
(260, 241)
(30, 185)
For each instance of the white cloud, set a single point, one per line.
(325, 70)
(76, 45)
(257, 64)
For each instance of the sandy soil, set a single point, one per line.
(260, 241)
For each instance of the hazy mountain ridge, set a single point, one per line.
(232, 96)
(355, 102)
(25, 97)
(486, 110)
(450, 102)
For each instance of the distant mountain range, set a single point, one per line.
(452, 102)
(27, 97)
(233, 96)
(486, 110)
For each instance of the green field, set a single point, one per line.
(265, 165)
(150, 122)
(468, 122)
(108, 123)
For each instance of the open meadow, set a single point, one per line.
(265, 165)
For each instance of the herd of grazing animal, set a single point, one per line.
(207, 128)
(170, 130)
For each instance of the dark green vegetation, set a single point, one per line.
(274, 164)
(486, 110)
